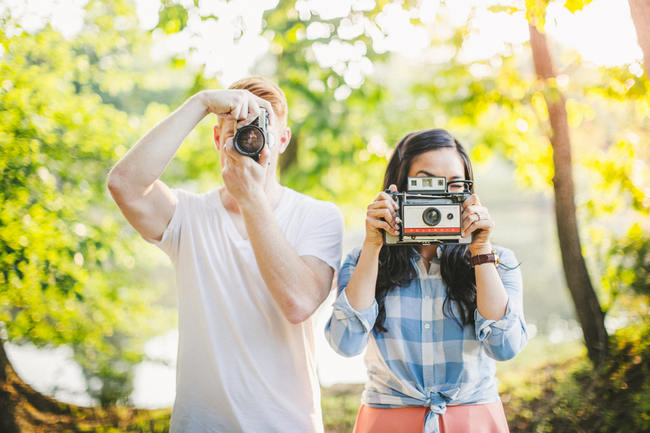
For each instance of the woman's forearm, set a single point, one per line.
(491, 296)
(361, 287)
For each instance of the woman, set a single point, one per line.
(433, 323)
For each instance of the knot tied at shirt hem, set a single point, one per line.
(437, 403)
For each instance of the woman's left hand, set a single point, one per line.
(477, 222)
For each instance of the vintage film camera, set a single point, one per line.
(250, 139)
(430, 213)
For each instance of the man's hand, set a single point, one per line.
(235, 104)
(244, 177)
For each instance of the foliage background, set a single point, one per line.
(73, 100)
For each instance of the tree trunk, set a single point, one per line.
(640, 11)
(575, 270)
(7, 400)
(25, 410)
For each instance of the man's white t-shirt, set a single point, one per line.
(242, 366)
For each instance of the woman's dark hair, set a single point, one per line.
(395, 267)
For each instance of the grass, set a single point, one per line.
(548, 388)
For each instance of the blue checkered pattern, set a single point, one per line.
(428, 358)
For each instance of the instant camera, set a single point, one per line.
(429, 212)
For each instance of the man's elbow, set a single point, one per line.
(296, 315)
(121, 186)
(116, 183)
(298, 310)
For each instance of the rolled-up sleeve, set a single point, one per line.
(506, 337)
(348, 330)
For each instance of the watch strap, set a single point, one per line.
(479, 259)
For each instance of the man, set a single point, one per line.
(253, 261)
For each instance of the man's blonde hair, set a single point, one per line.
(268, 90)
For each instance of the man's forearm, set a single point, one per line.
(293, 285)
(149, 157)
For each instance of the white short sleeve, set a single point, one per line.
(321, 234)
(171, 238)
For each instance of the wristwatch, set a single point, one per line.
(479, 259)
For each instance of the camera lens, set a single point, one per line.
(249, 140)
(431, 216)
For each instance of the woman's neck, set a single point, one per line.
(428, 252)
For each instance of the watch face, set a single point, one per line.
(496, 257)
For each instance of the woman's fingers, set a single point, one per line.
(388, 201)
(382, 213)
(487, 225)
(381, 224)
(383, 204)
(386, 214)
(472, 200)
(471, 215)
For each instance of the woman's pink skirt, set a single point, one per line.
(471, 418)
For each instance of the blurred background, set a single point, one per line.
(551, 97)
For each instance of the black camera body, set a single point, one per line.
(430, 214)
(250, 139)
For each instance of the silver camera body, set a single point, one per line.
(430, 214)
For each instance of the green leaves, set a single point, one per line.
(172, 18)
(66, 268)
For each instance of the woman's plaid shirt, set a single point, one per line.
(427, 358)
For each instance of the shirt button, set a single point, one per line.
(427, 326)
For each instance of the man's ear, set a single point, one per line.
(285, 138)
(216, 133)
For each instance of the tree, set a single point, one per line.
(65, 274)
(584, 297)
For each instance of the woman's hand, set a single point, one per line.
(477, 222)
(381, 215)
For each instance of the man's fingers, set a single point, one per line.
(242, 114)
(252, 111)
(267, 106)
(265, 157)
(231, 153)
